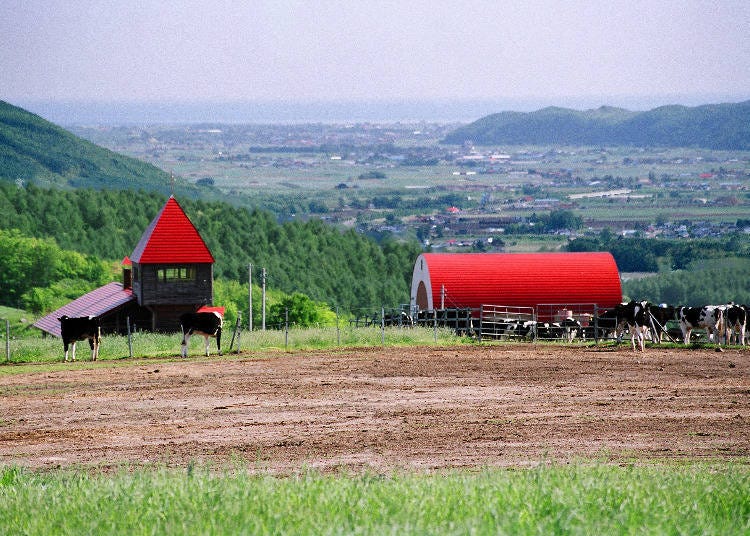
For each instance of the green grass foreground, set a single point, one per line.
(549, 499)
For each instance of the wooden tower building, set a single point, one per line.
(172, 268)
(170, 272)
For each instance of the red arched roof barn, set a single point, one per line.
(518, 279)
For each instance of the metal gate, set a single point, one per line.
(506, 322)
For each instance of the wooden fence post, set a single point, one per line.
(286, 328)
(130, 339)
(434, 324)
(338, 331)
(239, 330)
(382, 325)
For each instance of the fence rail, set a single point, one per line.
(579, 323)
(504, 322)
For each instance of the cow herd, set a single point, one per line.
(723, 324)
(641, 320)
(207, 324)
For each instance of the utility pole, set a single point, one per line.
(263, 317)
(250, 297)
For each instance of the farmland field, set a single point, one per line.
(382, 409)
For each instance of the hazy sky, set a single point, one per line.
(364, 50)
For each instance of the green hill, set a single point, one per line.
(312, 257)
(37, 151)
(712, 126)
(94, 201)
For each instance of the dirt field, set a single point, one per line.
(383, 409)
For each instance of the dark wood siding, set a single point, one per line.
(166, 318)
(151, 288)
(117, 321)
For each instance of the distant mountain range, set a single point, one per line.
(712, 126)
(37, 151)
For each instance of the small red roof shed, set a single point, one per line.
(470, 280)
(103, 300)
(212, 309)
(171, 238)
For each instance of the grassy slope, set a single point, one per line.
(19, 322)
(35, 150)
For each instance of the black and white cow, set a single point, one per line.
(635, 317)
(708, 317)
(79, 329)
(501, 327)
(402, 319)
(610, 323)
(660, 315)
(208, 324)
(735, 321)
(527, 330)
(569, 329)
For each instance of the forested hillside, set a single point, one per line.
(346, 269)
(705, 283)
(37, 275)
(713, 126)
(647, 254)
(691, 272)
(34, 150)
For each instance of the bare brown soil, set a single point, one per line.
(383, 409)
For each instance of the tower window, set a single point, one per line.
(176, 274)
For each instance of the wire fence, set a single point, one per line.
(568, 323)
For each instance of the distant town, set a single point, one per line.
(399, 179)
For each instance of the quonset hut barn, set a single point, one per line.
(170, 272)
(471, 280)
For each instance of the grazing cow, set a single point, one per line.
(79, 329)
(635, 316)
(708, 317)
(735, 320)
(659, 317)
(207, 324)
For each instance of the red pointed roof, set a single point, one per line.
(171, 238)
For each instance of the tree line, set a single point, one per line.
(634, 254)
(311, 258)
(705, 284)
(56, 245)
(38, 276)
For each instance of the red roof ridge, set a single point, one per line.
(171, 238)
